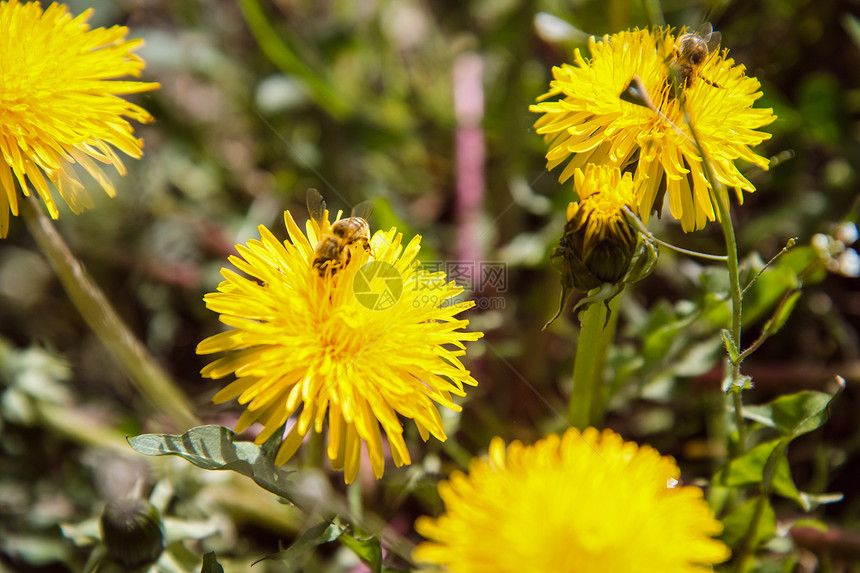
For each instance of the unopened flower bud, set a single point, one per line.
(600, 246)
(131, 531)
(598, 242)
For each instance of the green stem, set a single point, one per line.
(748, 547)
(737, 306)
(631, 216)
(720, 197)
(140, 366)
(285, 57)
(586, 400)
(653, 13)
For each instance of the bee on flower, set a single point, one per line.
(346, 344)
(586, 118)
(689, 54)
(334, 250)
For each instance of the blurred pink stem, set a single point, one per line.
(469, 149)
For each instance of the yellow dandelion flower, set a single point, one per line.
(57, 109)
(580, 503)
(376, 340)
(591, 123)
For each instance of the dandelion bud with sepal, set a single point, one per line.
(597, 232)
(600, 248)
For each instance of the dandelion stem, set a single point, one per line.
(788, 246)
(654, 13)
(720, 197)
(742, 560)
(286, 58)
(131, 355)
(737, 305)
(596, 333)
(631, 216)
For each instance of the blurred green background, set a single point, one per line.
(261, 100)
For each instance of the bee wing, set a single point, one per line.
(712, 39)
(714, 42)
(363, 210)
(316, 207)
(705, 30)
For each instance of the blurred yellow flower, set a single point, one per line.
(579, 503)
(589, 122)
(56, 108)
(375, 340)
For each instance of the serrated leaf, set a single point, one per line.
(368, 550)
(218, 448)
(210, 564)
(737, 523)
(731, 347)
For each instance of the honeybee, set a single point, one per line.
(689, 53)
(334, 249)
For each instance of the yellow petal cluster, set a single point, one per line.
(587, 121)
(59, 104)
(596, 224)
(578, 503)
(314, 352)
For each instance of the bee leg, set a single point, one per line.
(709, 82)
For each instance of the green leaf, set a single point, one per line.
(795, 414)
(764, 464)
(818, 104)
(782, 313)
(815, 524)
(210, 564)
(368, 550)
(731, 346)
(737, 523)
(83, 533)
(296, 554)
(777, 475)
(218, 448)
(852, 25)
(792, 416)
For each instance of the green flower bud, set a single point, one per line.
(131, 531)
(600, 248)
(598, 242)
